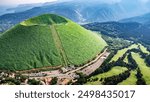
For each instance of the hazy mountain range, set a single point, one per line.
(144, 19)
(80, 11)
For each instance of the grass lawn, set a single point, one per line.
(144, 49)
(131, 80)
(145, 70)
(126, 59)
(114, 71)
(121, 52)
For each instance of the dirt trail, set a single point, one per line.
(59, 45)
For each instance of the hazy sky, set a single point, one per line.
(12, 2)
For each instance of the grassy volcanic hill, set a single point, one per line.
(47, 41)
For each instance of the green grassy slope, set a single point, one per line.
(31, 48)
(47, 40)
(79, 44)
(45, 20)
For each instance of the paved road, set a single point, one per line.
(91, 68)
(93, 65)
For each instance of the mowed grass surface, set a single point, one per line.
(114, 71)
(143, 49)
(145, 70)
(30, 44)
(121, 52)
(131, 80)
(126, 59)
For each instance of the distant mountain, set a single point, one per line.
(131, 30)
(144, 19)
(73, 10)
(81, 12)
(24, 7)
(4, 10)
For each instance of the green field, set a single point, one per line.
(126, 59)
(121, 52)
(131, 80)
(145, 70)
(47, 40)
(114, 71)
(143, 49)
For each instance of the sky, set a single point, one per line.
(16, 2)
